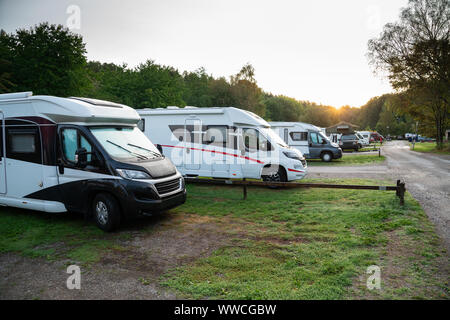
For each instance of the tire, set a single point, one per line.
(274, 176)
(326, 157)
(106, 212)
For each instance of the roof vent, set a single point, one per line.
(17, 95)
(190, 107)
(172, 107)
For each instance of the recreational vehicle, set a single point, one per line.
(81, 155)
(222, 143)
(307, 138)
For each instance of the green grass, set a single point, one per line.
(349, 160)
(306, 244)
(430, 147)
(281, 244)
(52, 236)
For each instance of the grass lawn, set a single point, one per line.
(430, 147)
(278, 244)
(349, 160)
(312, 244)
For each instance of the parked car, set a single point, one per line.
(309, 139)
(82, 155)
(376, 137)
(350, 141)
(222, 143)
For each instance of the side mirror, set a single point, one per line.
(159, 147)
(81, 157)
(324, 141)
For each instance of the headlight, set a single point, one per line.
(133, 174)
(292, 155)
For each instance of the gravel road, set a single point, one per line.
(427, 178)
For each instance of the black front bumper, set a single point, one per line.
(141, 199)
(148, 207)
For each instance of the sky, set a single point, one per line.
(308, 50)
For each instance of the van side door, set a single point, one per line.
(73, 179)
(2, 155)
(315, 145)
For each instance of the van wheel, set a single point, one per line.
(274, 176)
(106, 212)
(326, 157)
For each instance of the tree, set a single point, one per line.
(281, 108)
(415, 53)
(196, 91)
(46, 59)
(5, 64)
(246, 93)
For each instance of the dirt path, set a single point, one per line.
(427, 178)
(133, 273)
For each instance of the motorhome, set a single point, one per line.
(362, 140)
(222, 143)
(307, 138)
(366, 136)
(82, 155)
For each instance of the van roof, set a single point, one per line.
(303, 125)
(235, 115)
(68, 110)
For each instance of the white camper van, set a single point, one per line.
(309, 139)
(222, 143)
(81, 155)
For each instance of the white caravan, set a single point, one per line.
(307, 138)
(366, 136)
(222, 143)
(363, 137)
(81, 155)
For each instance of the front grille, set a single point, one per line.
(168, 186)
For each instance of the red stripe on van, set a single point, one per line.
(214, 151)
(293, 170)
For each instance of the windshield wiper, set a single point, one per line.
(129, 151)
(156, 154)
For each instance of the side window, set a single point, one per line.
(299, 136)
(215, 135)
(1, 139)
(251, 139)
(141, 125)
(69, 144)
(314, 137)
(72, 140)
(23, 144)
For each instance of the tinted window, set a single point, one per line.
(350, 137)
(299, 136)
(23, 144)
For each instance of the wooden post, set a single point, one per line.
(245, 190)
(379, 152)
(401, 192)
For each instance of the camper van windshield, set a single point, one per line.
(273, 137)
(125, 142)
